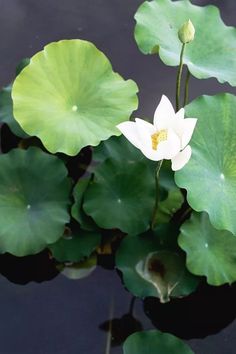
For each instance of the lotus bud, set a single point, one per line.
(186, 32)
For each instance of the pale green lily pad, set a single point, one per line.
(210, 252)
(75, 247)
(34, 197)
(69, 97)
(6, 112)
(210, 175)
(151, 268)
(211, 54)
(121, 196)
(86, 222)
(155, 342)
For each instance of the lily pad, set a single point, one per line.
(211, 54)
(86, 222)
(69, 97)
(34, 197)
(150, 268)
(6, 112)
(210, 252)
(154, 341)
(210, 175)
(75, 247)
(121, 196)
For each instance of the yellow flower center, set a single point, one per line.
(158, 137)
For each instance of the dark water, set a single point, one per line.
(51, 314)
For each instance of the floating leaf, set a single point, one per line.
(75, 247)
(211, 54)
(6, 112)
(210, 175)
(150, 268)
(86, 222)
(210, 252)
(34, 196)
(69, 97)
(153, 341)
(121, 196)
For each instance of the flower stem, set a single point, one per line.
(186, 90)
(179, 76)
(153, 223)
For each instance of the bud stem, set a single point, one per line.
(186, 87)
(179, 76)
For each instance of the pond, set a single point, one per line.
(44, 311)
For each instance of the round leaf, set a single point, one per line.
(34, 196)
(75, 247)
(212, 52)
(153, 341)
(69, 97)
(210, 252)
(121, 196)
(168, 276)
(210, 175)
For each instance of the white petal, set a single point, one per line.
(164, 114)
(181, 159)
(180, 114)
(129, 130)
(170, 147)
(189, 125)
(154, 155)
(184, 129)
(145, 131)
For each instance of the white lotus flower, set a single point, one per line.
(167, 138)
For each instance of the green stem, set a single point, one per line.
(179, 76)
(153, 223)
(186, 90)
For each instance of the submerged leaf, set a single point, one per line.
(80, 270)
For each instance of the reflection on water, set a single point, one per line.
(79, 309)
(22, 270)
(205, 312)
